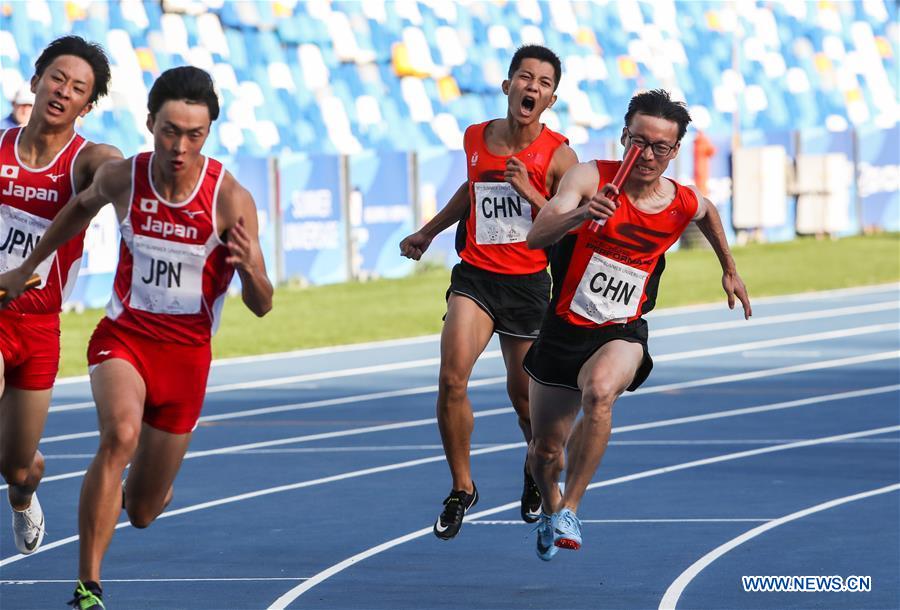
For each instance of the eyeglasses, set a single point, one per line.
(660, 149)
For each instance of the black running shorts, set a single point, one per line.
(561, 349)
(516, 303)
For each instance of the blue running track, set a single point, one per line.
(763, 448)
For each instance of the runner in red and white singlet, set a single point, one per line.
(593, 342)
(42, 165)
(500, 286)
(186, 226)
(172, 276)
(30, 197)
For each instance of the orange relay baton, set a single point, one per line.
(33, 282)
(619, 179)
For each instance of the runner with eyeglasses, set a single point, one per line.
(593, 342)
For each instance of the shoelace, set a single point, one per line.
(539, 523)
(455, 508)
(31, 523)
(82, 593)
(569, 521)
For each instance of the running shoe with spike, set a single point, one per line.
(530, 504)
(546, 548)
(455, 507)
(566, 530)
(88, 596)
(28, 527)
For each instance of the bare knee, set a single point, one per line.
(543, 451)
(14, 475)
(142, 512)
(140, 515)
(453, 385)
(598, 398)
(17, 473)
(119, 443)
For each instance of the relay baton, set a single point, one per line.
(618, 180)
(33, 282)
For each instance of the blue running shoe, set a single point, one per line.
(545, 547)
(566, 530)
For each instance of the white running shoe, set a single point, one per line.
(28, 527)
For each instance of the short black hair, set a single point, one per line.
(187, 83)
(91, 52)
(536, 51)
(658, 103)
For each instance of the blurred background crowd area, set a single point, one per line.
(345, 118)
(342, 76)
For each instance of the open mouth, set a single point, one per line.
(56, 106)
(528, 103)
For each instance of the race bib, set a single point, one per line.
(502, 216)
(609, 291)
(167, 277)
(19, 234)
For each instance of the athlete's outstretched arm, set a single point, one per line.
(237, 215)
(567, 209)
(111, 180)
(413, 246)
(710, 224)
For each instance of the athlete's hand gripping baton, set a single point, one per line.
(33, 282)
(619, 179)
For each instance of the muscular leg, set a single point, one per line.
(553, 411)
(517, 379)
(148, 489)
(602, 380)
(467, 330)
(22, 417)
(119, 392)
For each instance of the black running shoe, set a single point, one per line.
(530, 506)
(455, 507)
(88, 596)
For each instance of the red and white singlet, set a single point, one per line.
(172, 276)
(493, 236)
(29, 200)
(611, 277)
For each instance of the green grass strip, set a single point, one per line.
(386, 309)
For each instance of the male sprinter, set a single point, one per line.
(42, 165)
(186, 225)
(514, 165)
(593, 342)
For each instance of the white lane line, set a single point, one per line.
(43, 581)
(856, 310)
(387, 448)
(666, 332)
(787, 298)
(490, 412)
(597, 521)
(808, 338)
(339, 567)
(486, 450)
(783, 370)
(737, 347)
(307, 377)
(751, 441)
(271, 490)
(300, 406)
(673, 593)
(315, 351)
